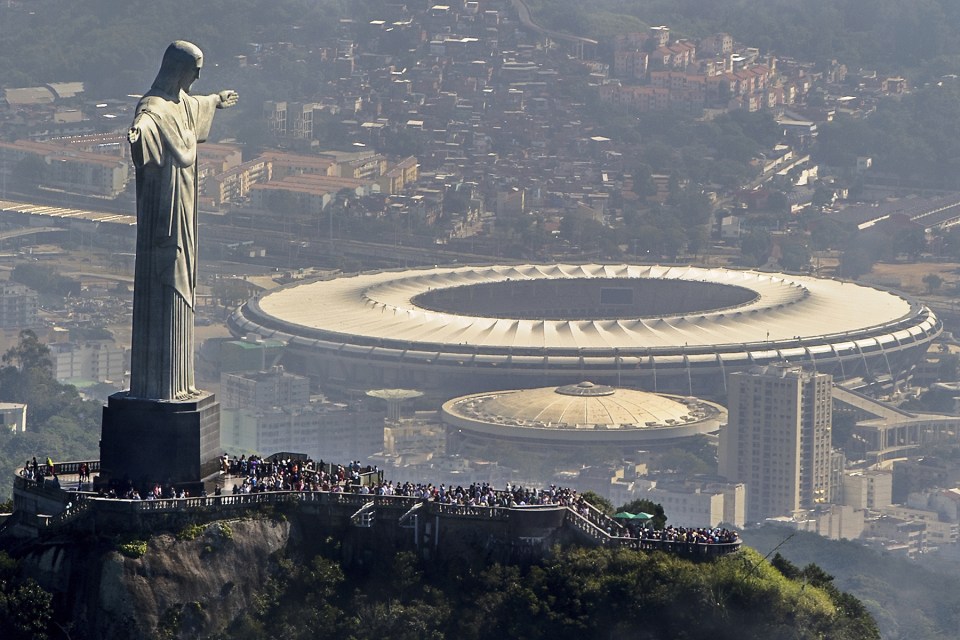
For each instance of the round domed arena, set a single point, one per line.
(584, 414)
(676, 329)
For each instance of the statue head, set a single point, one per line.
(180, 67)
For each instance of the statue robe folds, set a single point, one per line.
(165, 278)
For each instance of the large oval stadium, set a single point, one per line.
(662, 328)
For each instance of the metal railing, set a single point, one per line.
(577, 520)
(468, 511)
(584, 517)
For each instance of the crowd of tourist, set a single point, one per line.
(695, 535)
(155, 492)
(253, 474)
(33, 470)
(482, 494)
(258, 474)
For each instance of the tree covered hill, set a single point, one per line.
(579, 593)
(60, 424)
(255, 579)
(907, 598)
(116, 46)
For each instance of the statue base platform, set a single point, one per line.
(146, 442)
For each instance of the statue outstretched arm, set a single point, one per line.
(228, 99)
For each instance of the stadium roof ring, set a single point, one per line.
(676, 329)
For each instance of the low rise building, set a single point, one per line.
(937, 532)
(897, 536)
(68, 169)
(250, 354)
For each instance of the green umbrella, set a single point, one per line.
(625, 515)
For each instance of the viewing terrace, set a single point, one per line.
(58, 504)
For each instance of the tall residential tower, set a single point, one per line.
(777, 440)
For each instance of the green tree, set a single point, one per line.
(910, 242)
(794, 254)
(933, 282)
(950, 242)
(29, 354)
(841, 429)
(230, 292)
(26, 610)
(784, 566)
(44, 280)
(822, 196)
(949, 367)
(855, 262)
(642, 505)
(778, 203)
(863, 250)
(755, 247)
(827, 233)
(598, 501)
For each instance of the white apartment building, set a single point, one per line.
(322, 431)
(271, 411)
(777, 440)
(98, 361)
(872, 489)
(695, 504)
(264, 390)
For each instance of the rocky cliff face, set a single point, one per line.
(185, 586)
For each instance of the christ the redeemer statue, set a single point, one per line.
(168, 124)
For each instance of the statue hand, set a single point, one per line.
(228, 99)
(133, 134)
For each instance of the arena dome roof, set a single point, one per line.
(583, 413)
(586, 404)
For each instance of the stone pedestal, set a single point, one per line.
(164, 442)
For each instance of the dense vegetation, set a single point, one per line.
(914, 138)
(59, 423)
(590, 593)
(908, 599)
(25, 609)
(115, 46)
(45, 280)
